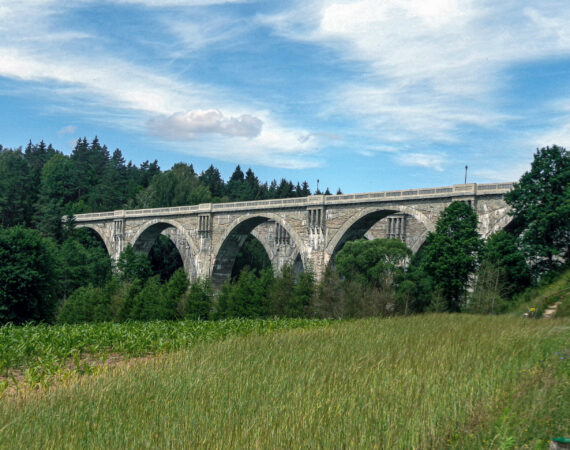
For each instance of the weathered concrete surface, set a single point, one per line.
(306, 232)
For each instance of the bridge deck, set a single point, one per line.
(471, 189)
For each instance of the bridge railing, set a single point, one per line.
(457, 190)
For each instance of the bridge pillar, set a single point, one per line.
(118, 237)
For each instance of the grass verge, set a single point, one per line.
(542, 296)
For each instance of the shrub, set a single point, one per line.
(86, 304)
(28, 276)
(247, 297)
(198, 305)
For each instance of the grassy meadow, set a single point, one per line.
(431, 381)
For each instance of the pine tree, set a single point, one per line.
(212, 179)
(17, 189)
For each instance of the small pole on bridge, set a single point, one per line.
(466, 174)
(317, 186)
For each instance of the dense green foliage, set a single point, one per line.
(435, 381)
(541, 208)
(84, 261)
(40, 185)
(502, 252)
(86, 304)
(28, 276)
(450, 254)
(133, 265)
(199, 301)
(453, 271)
(375, 262)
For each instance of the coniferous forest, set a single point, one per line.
(51, 272)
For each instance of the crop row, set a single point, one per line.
(48, 347)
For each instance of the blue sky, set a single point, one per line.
(365, 95)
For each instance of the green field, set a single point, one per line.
(38, 353)
(431, 381)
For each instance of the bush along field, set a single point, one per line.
(431, 381)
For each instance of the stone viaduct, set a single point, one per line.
(305, 232)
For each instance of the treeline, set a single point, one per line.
(39, 185)
(53, 273)
(44, 260)
(456, 270)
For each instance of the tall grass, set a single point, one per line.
(432, 381)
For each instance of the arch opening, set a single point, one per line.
(165, 259)
(269, 231)
(359, 229)
(403, 223)
(91, 238)
(226, 255)
(251, 254)
(167, 249)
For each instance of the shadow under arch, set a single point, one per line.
(99, 233)
(357, 226)
(225, 252)
(146, 236)
(298, 266)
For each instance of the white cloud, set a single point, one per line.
(124, 93)
(181, 126)
(69, 129)
(500, 172)
(270, 148)
(170, 3)
(435, 161)
(420, 73)
(429, 67)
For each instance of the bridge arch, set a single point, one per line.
(225, 252)
(490, 223)
(147, 234)
(264, 242)
(100, 232)
(362, 221)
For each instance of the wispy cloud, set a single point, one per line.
(148, 98)
(429, 160)
(408, 77)
(69, 129)
(429, 67)
(171, 3)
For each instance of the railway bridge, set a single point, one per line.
(305, 232)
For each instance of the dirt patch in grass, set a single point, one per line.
(20, 382)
